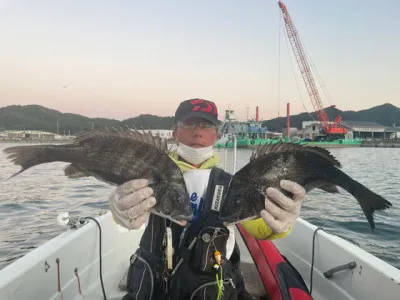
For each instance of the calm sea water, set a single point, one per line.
(30, 202)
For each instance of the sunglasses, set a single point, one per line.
(193, 125)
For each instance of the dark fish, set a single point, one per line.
(311, 167)
(116, 156)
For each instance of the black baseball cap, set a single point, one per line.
(197, 108)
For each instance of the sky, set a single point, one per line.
(120, 59)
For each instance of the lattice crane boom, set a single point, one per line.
(307, 75)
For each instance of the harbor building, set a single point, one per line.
(29, 135)
(365, 130)
(355, 130)
(162, 133)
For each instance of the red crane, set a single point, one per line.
(329, 128)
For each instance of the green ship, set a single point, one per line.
(249, 134)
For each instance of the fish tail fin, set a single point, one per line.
(27, 156)
(73, 171)
(368, 200)
(15, 174)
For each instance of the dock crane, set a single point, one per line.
(331, 129)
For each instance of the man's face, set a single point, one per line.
(196, 133)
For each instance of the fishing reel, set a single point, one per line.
(64, 220)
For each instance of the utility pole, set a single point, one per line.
(247, 108)
(57, 127)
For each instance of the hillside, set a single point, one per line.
(36, 117)
(149, 122)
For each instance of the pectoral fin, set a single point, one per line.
(330, 188)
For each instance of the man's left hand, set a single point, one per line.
(282, 215)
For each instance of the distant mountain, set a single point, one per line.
(36, 117)
(147, 121)
(385, 114)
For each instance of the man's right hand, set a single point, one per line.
(130, 202)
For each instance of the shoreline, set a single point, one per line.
(35, 141)
(52, 141)
(364, 144)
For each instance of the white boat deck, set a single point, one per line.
(36, 274)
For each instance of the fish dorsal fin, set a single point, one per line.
(283, 147)
(105, 133)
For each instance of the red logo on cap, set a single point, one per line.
(203, 105)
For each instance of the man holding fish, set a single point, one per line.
(195, 131)
(189, 205)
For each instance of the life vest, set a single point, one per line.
(174, 262)
(281, 279)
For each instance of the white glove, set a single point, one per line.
(130, 202)
(281, 218)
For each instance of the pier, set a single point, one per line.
(391, 143)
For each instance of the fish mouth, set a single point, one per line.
(182, 217)
(228, 221)
(181, 220)
(227, 224)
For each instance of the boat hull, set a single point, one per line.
(372, 278)
(39, 274)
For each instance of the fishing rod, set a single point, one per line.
(234, 139)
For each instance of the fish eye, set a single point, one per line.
(237, 202)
